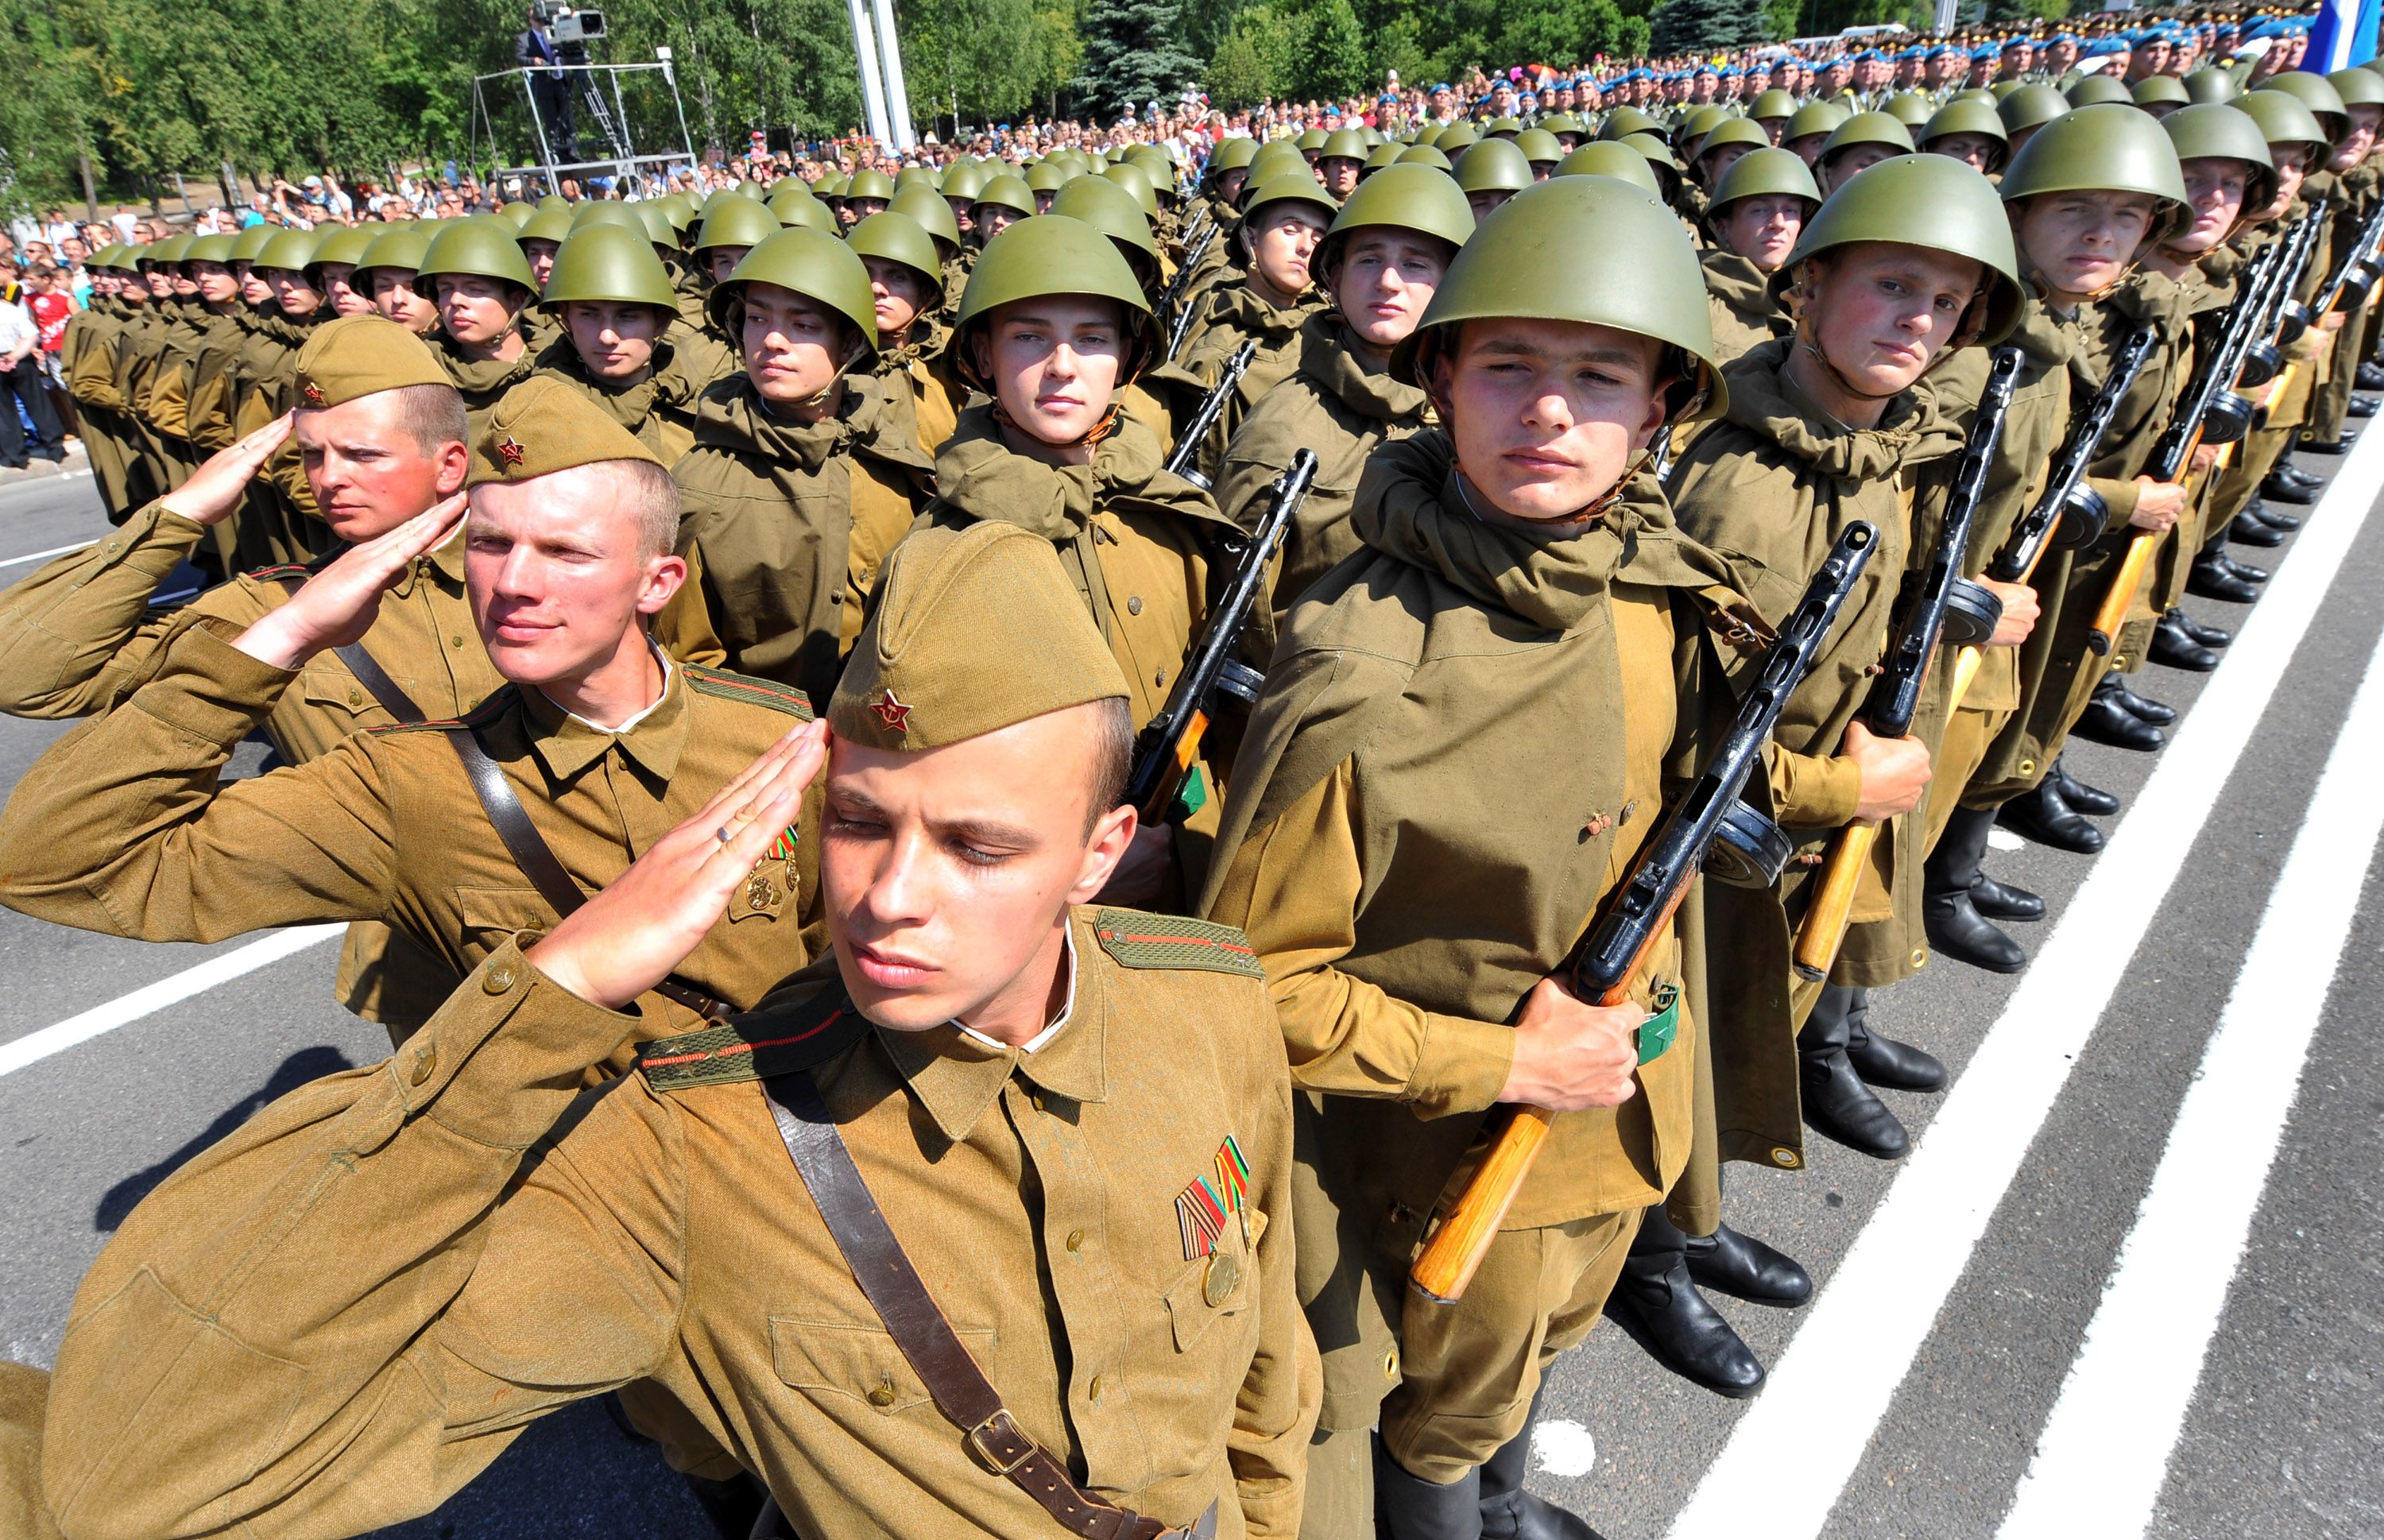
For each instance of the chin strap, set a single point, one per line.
(1092, 440)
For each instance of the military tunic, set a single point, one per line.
(433, 1291)
(123, 826)
(1237, 315)
(481, 381)
(1745, 314)
(659, 410)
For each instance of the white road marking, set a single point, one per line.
(150, 999)
(1790, 1455)
(45, 555)
(2104, 1451)
(2001, 839)
(1563, 1449)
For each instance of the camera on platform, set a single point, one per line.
(568, 24)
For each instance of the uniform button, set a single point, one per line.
(499, 979)
(1098, 1386)
(1075, 1240)
(882, 1397)
(426, 1059)
(1920, 957)
(1134, 605)
(355, 697)
(455, 641)
(2028, 767)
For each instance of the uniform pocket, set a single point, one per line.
(504, 911)
(1212, 1286)
(845, 1362)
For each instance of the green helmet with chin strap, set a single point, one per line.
(1937, 204)
(736, 222)
(892, 237)
(1047, 256)
(2213, 131)
(1412, 198)
(1969, 118)
(2106, 148)
(1586, 249)
(808, 262)
(605, 262)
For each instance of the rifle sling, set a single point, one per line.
(375, 679)
(536, 858)
(926, 1340)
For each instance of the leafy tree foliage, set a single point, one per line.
(1133, 55)
(1701, 26)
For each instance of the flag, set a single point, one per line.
(2343, 35)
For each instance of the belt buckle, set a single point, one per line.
(984, 1449)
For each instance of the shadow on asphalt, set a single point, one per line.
(299, 1069)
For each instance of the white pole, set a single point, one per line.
(864, 53)
(897, 97)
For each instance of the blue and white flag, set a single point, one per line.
(2343, 35)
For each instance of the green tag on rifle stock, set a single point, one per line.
(1656, 1032)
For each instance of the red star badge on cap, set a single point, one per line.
(893, 712)
(313, 393)
(510, 451)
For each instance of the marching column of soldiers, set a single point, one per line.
(1053, 854)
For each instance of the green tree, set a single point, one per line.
(1700, 26)
(1334, 62)
(1133, 55)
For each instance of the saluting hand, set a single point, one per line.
(216, 487)
(628, 938)
(339, 605)
(1571, 1054)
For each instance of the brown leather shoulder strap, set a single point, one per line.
(935, 1351)
(376, 680)
(536, 858)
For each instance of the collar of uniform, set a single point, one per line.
(567, 744)
(956, 1075)
(446, 558)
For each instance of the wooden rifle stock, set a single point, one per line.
(1889, 711)
(1614, 950)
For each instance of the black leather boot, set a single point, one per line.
(2001, 900)
(2337, 444)
(2244, 571)
(2279, 488)
(2297, 476)
(2155, 712)
(1949, 907)
(2207, 580)
(1837, 1104)
(2106, 721)
(2174, 647)
(2091, 800)
(1687, 1334)
(1899, 1066)
(1510, 1513)
(2370, 377)
(1406, 1508)
(2208, 636)
(2042, 816)
(2246, 530)
(2360, 407)
(1744, 1268)
(2275, 518)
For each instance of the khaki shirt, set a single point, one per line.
(1235, 315)
(1739, 293)
(123, 826)
(659, 410)
(356, 1301)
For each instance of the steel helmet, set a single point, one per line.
(2316, 93)
(1935, 202)
(289, 250)
(2092, 91)
(892, 237)
(816, 266)
(1006, 191)
(736, 222)
(1733, 130)
(248, 243)
(1867, 128)
(1774, 103)
(2106, 148)
(1050, 253)
(607, 213)
(806, 213)
(963, 179)
(1587, 249)
(2282, 118)
(1765, 172)
(1493, 166)
(2031, 107)
(1049, 175)
(2207, 84)
(1604, 158)
(1822, 117)
(1456, 139)
(2157, 90)
(482, 247)
(869, 184)
(400, 247)
(2213, 131)
(1425, 154)
(209, 248)
(1136, 180)
(656, 219)
(1401, 197)
(605, 262)
(933, 213)
(1344, 144)
(1969, 118)
(1104, 206)
(342, 244)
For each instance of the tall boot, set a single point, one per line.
(2042, 816)
(1947, 907)
(1883, 1061)
(1836, 1102)
(1687, 1334)
(1510, 1513)
(1408, 1508)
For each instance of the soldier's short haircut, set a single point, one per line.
(1112, 756)
(431, 415)
(649, 495)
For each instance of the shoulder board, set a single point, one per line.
(745, 687)
(289, 572)
(767, 1042)
(480, 715)
(1138, 940)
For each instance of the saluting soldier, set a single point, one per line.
(1524, 602)
(802, 477)
(623, 344)
(280, 503)
(123, 827)
(1382, 260)
(1071, 1301)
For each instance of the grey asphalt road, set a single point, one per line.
(2284, 1435)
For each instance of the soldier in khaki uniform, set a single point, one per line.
(1759, 208)
(1523, 592)
(913, 367)
(279, 504)
(1053, 327)
(1077, 1123)
(802, 477)
(482, 284)
(623, 345)
(94, 340)
(1382, 261)
(1110, 209)
(381, 435)
(390, 269)
(123, 827)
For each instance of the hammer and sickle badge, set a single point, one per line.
(510, 451)
(313, 393)
(893, 712)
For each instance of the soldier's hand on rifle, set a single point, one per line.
(2158, 504)
(338, 604)
(1571, 1054)
(2332, 321)
(2020, 612)
(1141, 874)
(1894, 772)
(2204, 457)
(628, 938)
(218, 486)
